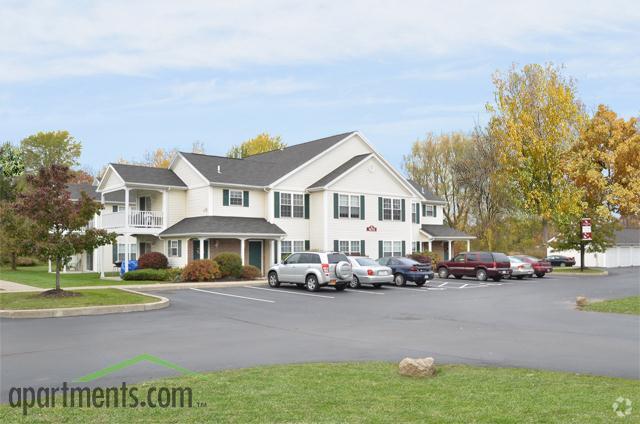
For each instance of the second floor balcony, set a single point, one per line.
(135, 219)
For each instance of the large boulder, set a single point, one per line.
(421, 367)
(582, 301)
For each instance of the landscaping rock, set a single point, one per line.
(421, 367)
(582, 301)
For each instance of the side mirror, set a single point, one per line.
(284, 262)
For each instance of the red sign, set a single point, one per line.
(585, 229)
(372, 228)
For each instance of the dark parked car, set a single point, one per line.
(405, 269)
(481, 265)
(540, 266)
(558, 260)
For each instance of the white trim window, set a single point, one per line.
(298, 205)
(292, 205)
(132, 251)
(285, 205)
(415, 213)
(429, 210)
(288, 247)
(391, 209)
(174, 248)
(350, 247)
(392, 248)
(236, 198)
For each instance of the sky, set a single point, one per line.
(125, 77)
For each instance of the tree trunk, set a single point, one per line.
(545, 232)
(13, 261)
(58, 274)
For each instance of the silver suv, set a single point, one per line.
(312, 270)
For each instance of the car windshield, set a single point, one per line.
(407, 261)
(500, 257)
(366, 262)
(334, 258)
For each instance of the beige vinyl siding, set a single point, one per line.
(371, 177)
(197, 200)
(256, 209)
(317, 216)
(112, 181)
(187, 174)
(176, 207)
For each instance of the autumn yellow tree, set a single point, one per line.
(536, 118)
(258, 144)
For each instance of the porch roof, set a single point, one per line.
(147, 175)
(227, 226)
(444, 232)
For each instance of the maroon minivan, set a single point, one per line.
(481, 265)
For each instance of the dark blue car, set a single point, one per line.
(405, 269)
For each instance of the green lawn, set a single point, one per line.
(38, 276)
(577, 269)
(626, 305)
(371, 392)
(90, 297)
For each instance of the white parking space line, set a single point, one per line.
(233, 295)
(365, 292)
(289, 292)
(443, 284)
(463, 286)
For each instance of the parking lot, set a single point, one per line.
(522, 323)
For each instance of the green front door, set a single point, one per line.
(255, 254)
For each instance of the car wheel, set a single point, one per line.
(481, 275)
(312, 283)
(443, 272)
(540, 274)
(399, 280)
(419, 283)
(459, 277)
(377, 285)
(519, 277)
(273, 279)
(354, 283)
(341, 287)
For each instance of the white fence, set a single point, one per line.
(137, 219)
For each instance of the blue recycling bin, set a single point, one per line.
(133, 265)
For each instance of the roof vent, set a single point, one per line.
(219, 171)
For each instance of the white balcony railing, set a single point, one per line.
(137, 219)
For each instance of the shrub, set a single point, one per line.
(174, 274)
(153, 260)
(250, 272)
(426, 258)
(201, 270)
(230, 264)
(26, 261)
(146, 274)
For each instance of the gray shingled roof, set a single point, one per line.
(628, 236)
(428, 194)
(76, 189)
(339, 171)
(211, 225)
(148, 175)
(443, 231)
(261, 169)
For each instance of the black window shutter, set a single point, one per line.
(307, 245)
(180, 248)
(114, 252)
(417, 213)
(306, 206)
(379, 208)
(336, 245)
(380, 251)
(225, 197)
(424, 210)
(245, 198)
(276, 204)
(362, 207)
(404, 248)
(435, 211)
(402, 209)
(335, 205)
(362, 249)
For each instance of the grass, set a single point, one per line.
(577, 270)
(92, 297)
(371, 392)
(626, 305)
(38, 276)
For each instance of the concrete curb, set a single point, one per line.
(163, 302)
(580, 274)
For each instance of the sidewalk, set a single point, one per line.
(7, 286)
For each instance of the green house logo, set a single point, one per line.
(130, 362)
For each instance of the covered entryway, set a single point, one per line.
(256, 253)
(440, 239)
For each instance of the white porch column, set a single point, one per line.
(449, 255)
(242, 250)
(430, 246)
(101, 248)
(126, 208)
(273, 252)
(468, 245)
(279, 251)
(201, 249)
(165, 208)
(127, 248)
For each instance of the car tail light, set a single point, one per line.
(369, 272)
(325, 268)
(413, 269)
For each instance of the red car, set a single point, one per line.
(540, 266)
(481, 265)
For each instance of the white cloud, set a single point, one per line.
(48, 39)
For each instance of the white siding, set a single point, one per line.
(318, 211)
(371, 177)
(187, 173)
(176, 207)
(616, 256)
(430, 220)
(256, 209)
(197, 201)
(112, 181)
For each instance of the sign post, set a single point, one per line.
(585, 237)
